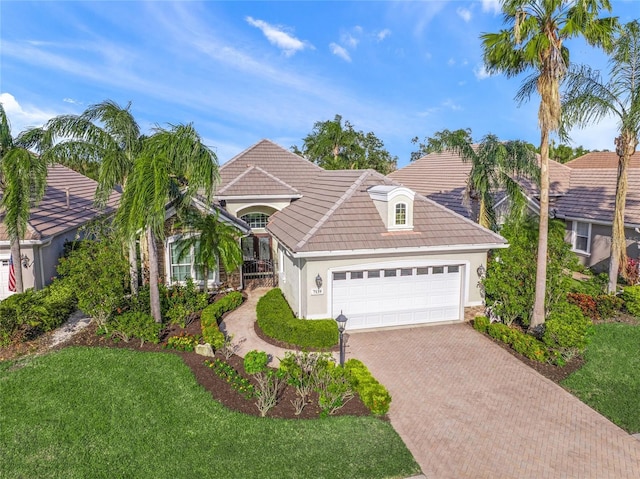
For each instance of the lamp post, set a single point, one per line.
(342, 324)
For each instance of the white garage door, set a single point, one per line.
(397, 296)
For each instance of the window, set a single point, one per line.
(357, 274)
(182, 264)
(422, 271)
(406, 272)
(401, 214)
(438, 269)
(581, 236)
(255, 220)
(453, 269)
(373, 273)
(390, 273)
(339, 276)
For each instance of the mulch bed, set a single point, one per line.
(206, 377)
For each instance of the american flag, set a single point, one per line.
(12, 275)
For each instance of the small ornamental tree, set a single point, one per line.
(511, 274)
(99, 273)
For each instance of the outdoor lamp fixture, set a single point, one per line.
(24, 259)
(342, 324)
(319, 281)
(482, 271)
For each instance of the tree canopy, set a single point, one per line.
(334, 146)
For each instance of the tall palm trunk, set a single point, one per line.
(538, 316)
(154, 293)
(17, 264)
(133, 267)
(625, 147)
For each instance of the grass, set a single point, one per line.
(94, 412)
(609, 381)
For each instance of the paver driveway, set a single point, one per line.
(468, 409)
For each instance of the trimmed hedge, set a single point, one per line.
(277, 321)
(373, 394)
(521, 342)
(567, 331)
(211, 316)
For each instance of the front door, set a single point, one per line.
(257, 269)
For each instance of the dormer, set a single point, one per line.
(395, 206)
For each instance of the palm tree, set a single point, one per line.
(105, 134)
(589, 99)
(495, 166)
(213, 241)
(173, 167)
(534, 40)
(24, 181)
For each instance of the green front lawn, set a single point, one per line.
(94, 412)
(609, 382)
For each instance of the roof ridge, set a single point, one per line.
(236, 179)
(275, 178)
(347, 194)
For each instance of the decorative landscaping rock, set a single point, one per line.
(204, 349)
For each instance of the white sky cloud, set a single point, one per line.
(480, 71)
(349, 40)
(340, 52)
(22, 117)
(278, 36)
(464, 13)
(382, 34)
(491, 6)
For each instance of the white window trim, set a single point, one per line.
(211, 283)
(574, 237)
(395, 214)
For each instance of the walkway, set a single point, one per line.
(466, 408)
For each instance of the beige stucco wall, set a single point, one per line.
(242, 207)
(316, 306)
(288, 279)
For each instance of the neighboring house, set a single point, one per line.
(582, 193)
(66, 206)
(353, 241)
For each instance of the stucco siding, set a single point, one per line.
(288, 279)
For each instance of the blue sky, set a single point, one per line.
(243, 71)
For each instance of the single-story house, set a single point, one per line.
(66, 206)
(354, 241)
(582, 193)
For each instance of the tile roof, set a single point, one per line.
(593, 192)
(601, 159)
(52, 216)
(256, 181)
(291, 171)
(336, 213)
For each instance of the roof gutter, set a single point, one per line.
(387, 251)
(560, 216)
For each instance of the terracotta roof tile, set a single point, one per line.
(601, 159)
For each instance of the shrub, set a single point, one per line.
(587, 304)
(302, 370)
(135, 325)
(631, 297)
(183, 342)
(510, 281)
(277, 321)
(631, 272)
(211, 316)
(270, 383)
(523, 343)
(567, 331)
(334, 386)
(98, 272)
(608, 305)
(225, 371)
(481, 323)
(373, 394)
(26, 315)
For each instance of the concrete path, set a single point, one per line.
(240, 323)
(468, 409)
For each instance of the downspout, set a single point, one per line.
(299, 288)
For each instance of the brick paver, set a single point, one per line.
(468, 409)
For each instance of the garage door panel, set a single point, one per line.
(398, 300)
